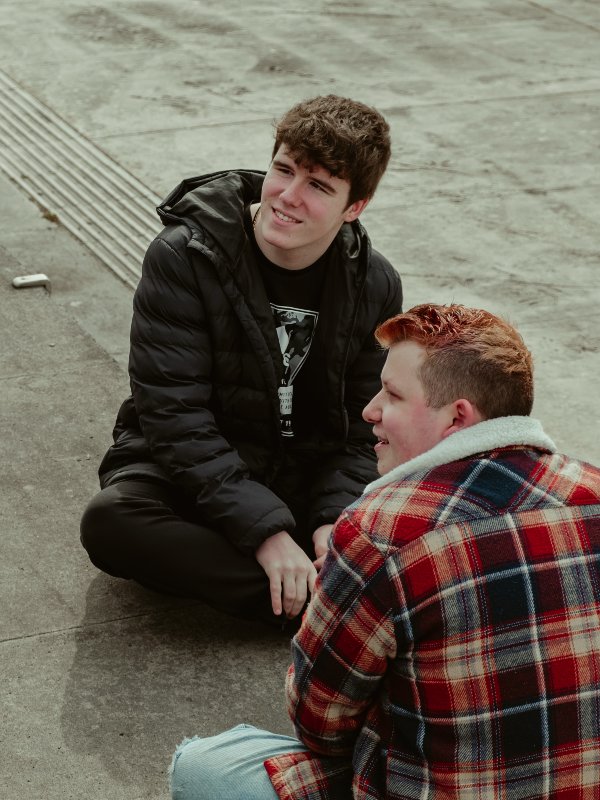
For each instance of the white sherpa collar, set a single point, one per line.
(487, 435)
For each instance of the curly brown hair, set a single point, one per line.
(469, 353)
(349, 139)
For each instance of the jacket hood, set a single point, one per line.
(209, 203)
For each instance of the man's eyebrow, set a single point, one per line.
(324, 183)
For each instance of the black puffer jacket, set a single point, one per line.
(205, 365)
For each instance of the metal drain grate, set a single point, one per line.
(99, 202)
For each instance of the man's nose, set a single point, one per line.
(371, 412)
(292, 194)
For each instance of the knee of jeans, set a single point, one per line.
(184, 771)
(196, 771)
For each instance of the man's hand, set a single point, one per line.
(290, 572)
(320, 539)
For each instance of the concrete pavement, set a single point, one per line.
(100, 678)
(490, 200)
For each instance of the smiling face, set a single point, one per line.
(301, 211)
(403, 423)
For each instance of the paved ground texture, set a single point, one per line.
(490, 200)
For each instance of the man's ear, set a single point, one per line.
(355, 210)
(463, 414)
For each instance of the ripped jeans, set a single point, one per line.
(228, 766)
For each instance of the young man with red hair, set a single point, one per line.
(452, 646)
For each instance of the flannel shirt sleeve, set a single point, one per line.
(342, 650)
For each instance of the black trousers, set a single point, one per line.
(148, 531)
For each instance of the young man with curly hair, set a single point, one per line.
(252, 355)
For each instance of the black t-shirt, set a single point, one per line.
(295, 298)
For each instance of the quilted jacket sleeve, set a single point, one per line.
(170, 369)
(346, 472)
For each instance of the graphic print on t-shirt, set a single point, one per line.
(295, 328)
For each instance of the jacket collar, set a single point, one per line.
(488, 435)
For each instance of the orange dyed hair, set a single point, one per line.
(470, 354)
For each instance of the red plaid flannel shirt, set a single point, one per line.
(452, 649)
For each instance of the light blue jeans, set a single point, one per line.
(228, 766)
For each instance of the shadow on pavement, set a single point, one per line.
(139, 684)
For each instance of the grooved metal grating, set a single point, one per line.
(99, 202)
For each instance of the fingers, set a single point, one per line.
(318, 563)
(321, 539)
(294, 594)
(295, 588)
(290, 571)
(275, 591)
(289, 591)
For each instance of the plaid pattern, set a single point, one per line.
(452, 649)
